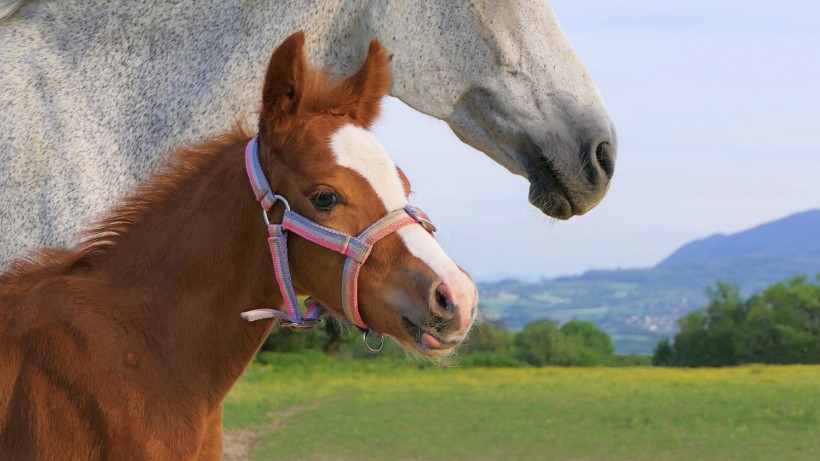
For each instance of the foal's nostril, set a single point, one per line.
(444, 298)
(604, 157)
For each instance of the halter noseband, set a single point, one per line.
(356, 249)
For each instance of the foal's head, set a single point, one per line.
(319, 155)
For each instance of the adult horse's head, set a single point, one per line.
(322, 159)
(505, 78)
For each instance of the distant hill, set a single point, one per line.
(795, 238)
(638, 306)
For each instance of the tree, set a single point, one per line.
(586, 344)
(663, 354)
(541, 343)
(576, 343)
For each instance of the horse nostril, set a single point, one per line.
(604, 157)
(444, 298)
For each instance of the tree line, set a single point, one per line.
(779, 325)
(541, 343)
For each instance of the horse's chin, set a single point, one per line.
(548, 195)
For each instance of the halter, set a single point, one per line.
(356, 249)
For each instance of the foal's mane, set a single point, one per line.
(181, 164)
(115, 223)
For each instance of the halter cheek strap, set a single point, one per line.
(356, 249)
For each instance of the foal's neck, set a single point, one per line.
(192, 261)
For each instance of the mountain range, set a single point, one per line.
(639, 306)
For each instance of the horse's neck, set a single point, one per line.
(190, 265)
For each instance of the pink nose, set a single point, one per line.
(460, 302)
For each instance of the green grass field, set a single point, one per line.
(311, 407)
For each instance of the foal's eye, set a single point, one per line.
(324, 201)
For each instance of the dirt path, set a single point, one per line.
(239, 444)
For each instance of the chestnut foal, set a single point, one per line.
(125, 347)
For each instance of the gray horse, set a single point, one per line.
(93, 92)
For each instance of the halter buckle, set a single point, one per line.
(419, 216)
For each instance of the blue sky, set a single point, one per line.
(717, 107)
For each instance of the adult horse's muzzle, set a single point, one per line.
(565, 149)
(563, 187)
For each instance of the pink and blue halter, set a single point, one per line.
(356, 249)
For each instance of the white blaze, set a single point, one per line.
(357, 149)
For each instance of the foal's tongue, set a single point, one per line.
(430, 341)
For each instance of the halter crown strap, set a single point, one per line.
(261, 187)
(356, 249)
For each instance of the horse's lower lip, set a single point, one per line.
(551, 204)
(548, 194)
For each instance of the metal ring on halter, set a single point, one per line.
(367, 345)
(276, 198)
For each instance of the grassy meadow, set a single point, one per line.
(308, 406)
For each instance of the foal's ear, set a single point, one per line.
(368, 86)
(284, 82)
